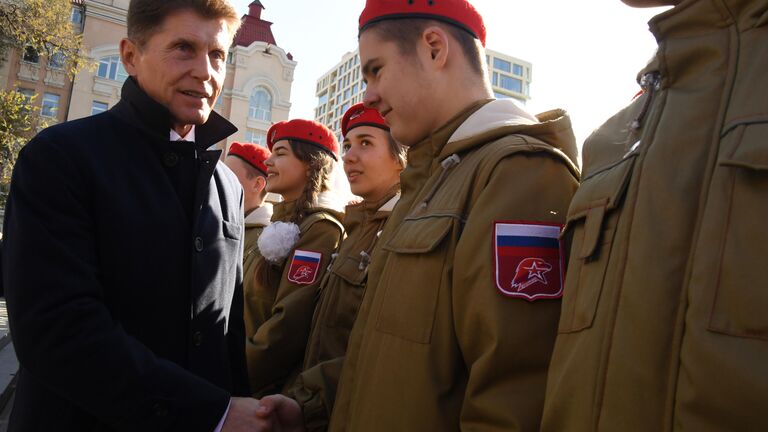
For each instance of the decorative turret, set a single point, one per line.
(253, 28)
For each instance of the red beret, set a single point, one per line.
(254, 154)
(306, 131)
(359, 115)
(456, 12)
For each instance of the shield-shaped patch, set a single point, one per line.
(304, 267)
(528, 260)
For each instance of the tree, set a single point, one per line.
(37, 26)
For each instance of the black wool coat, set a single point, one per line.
(123, 274)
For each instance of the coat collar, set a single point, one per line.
(144, 113)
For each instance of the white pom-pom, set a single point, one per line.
(277, 240)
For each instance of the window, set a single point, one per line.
(510, 83)
(256, 137)
(77, 16)
(323, 99)
(502, 65)
(260, 105)
(98, 107)
(495, 78)
(50, 106)
(501, 95)
(27, 93)
(57, 60)
(517, 70)
(112, 68)
(347, 94)
(354, 89)
(31, 55)
(344, 108)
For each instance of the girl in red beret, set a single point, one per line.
(372, 162)
(296, 249)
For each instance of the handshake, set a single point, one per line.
(273, 413)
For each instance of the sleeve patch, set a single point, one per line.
(528, 260)
(304, 267)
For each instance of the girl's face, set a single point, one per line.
(371, 168)
(286, 174)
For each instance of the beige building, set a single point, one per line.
(343, 86)
(31, 74)
(256, 92)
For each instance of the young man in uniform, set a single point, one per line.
(460, 314)
(664, 324)
(246, 160)
(130, 317)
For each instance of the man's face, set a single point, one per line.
(399, 87)
(182, 66)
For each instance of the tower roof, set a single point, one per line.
(253, 28)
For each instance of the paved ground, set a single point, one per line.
(8, 368)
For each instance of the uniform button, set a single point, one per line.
(170, 159)
(197, 339)
(198, 244)
(160, 410)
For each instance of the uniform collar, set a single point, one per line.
(260, 216)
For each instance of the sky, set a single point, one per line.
(585, 53)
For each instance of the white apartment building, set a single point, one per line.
(343, 86)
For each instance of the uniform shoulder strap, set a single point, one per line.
(518, 143)
(312, 219)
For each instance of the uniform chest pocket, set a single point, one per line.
(344, 295)
(591, 223)
(415, 271)
(740, 306)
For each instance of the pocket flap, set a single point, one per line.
(597, 195)
(419, 235)
(752, 152)
(232, 230)
(348, 268)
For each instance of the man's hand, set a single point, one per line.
(242, 417)
(284, 411)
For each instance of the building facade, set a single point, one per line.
(33, 74)
(256, 92)
(343, 86)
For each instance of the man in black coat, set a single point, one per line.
(123, 246)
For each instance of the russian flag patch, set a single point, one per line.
(528, 260)
(304, 267)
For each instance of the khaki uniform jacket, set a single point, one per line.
(255, 223)
(436, 346)
(664, 324)
(340, 296)
(281, 311)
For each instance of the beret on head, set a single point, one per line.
(359, 115)
(456, 12)
(306, 131)
(253, 154)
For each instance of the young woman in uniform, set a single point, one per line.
(373, 162)
(296, 249)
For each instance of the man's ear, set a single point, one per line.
(129, 54)
(259, 184)
(435, 43)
